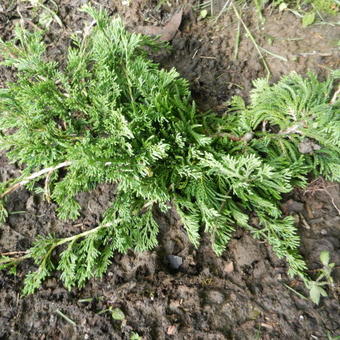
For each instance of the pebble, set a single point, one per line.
(30, 204)
(51, 283)
(214, 297)
(174, 261)
(293, 206)
(316, 220)
(229, 267)
(302, 304)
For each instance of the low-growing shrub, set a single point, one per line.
(110, 115)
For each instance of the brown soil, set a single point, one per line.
(240, 295)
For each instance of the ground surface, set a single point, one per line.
(240, 295)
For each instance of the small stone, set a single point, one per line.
(229, 267)
(302, 304)
(266, 325)
(174, 261)
(174, 304)
(30, 204)
(316, 220)
(233, 297)
(214, 297)
(51, 283)
(323, 232)
(171, 330)
(293, 206)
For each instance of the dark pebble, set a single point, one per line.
(174, 262)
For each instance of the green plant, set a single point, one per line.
(46, 15)
(316, 287)
(116, 313)
(65, 317)
(324, 6)
(308, 10)
(301, 6)
(135, 336)
(110, 115)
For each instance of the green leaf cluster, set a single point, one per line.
(315, 6)
(108, 114)
(324, 278)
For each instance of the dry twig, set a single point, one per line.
(34, 176)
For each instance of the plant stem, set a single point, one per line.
(33, 176)
(65, 317)
(10, 253)
(335, 96)
(252, 39)
(15, 259)
(237, 39)
(53, 246)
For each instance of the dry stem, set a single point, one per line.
(335, 96)
(33, 176)
(319, 184)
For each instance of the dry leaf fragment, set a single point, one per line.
(167, 32)
(229, 267)
(171, 330)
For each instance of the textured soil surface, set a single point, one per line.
(240, 295)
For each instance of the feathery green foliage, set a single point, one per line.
(110, 115)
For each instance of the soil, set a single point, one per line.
(240, 295)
